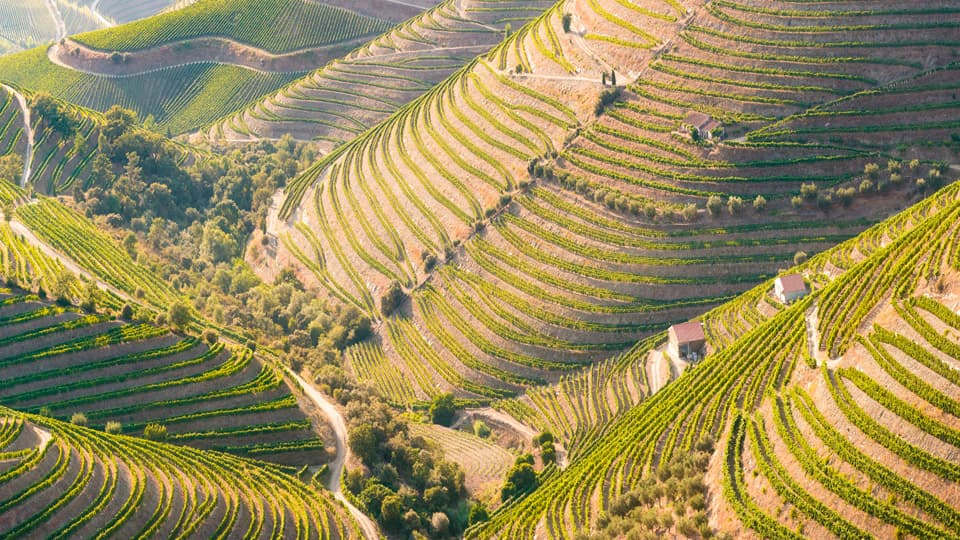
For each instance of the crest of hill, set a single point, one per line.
(533, 237)
(854, 385)
(189, 66)
(342, 99)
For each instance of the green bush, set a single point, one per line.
(155, 432)
(442, 409)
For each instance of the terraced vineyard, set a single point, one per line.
(62, 361)
(187, 79)
(276, 26)
(484, 462)
(124, 11)
(25, 24)
(62, 480)
(534, 240)
(347, 96)
(854, 445)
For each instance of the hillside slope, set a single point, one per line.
(349, 95)
(534, 239)
(835, 416)
(190, 66)
(61, 480)
(208, 395)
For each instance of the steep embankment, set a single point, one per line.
(191, 66)
(336, 103)
(534, 238)
(863, 444)
(65, 480)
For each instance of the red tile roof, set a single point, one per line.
(688, 332)
(792, 283)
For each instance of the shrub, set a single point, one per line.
(760, 203)
(607, 98)
(442, 409)
(521, 478)
(113, 428)
(155, 432)
(846, 195)
(714, 204)
(480, 429)
(548, 452)
(78, 419)
(178, 314)
(210, 336)
(391, 299)
(734, 205)
(478, 513)
(650, 210)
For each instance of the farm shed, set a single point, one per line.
(789, 288)
(687, 341)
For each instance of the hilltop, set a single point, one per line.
(188, 66)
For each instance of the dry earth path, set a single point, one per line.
(339, 425)
(61, 27)
(96, 12)
(216, 50)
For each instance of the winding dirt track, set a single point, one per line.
(339, 425)
(77, 57)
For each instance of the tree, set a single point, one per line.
(440, 523)
(480, 429)
(565, 20)
(78, 419)
(800, 257)
(118, 122)
(391, 512)
(113, 428)
(714, 204)
(178, 314)
(391, 299)
(442, 409)
(364, 442)
(613, 78)
(478, 513)
(45, 106)
(521, 479)
(11, 168)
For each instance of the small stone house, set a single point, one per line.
(687, 341)
(789, 288)
(705, 126)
